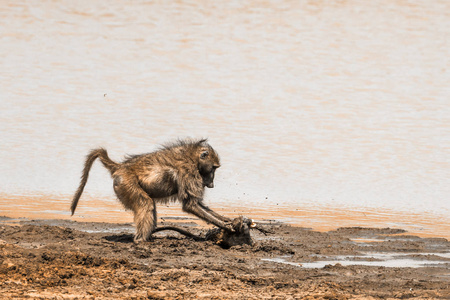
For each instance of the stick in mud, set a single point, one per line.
(221, 237)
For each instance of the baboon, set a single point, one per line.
(176, 172)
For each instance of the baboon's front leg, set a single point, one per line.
(204, 213)
(218, 216)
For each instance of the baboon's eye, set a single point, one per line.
(204, 154)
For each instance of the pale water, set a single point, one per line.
(335, 105)
(382, 259)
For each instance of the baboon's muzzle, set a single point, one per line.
(210, 185)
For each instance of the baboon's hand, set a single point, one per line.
(229, 227)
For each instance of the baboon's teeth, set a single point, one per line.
(252, 224)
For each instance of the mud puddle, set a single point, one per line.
(388, 260)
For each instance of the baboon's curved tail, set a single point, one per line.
(91, 157)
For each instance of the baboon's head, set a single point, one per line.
(207, 165)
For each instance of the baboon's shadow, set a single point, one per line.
(129, 238)
(122, 238)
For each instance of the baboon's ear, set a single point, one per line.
(204, 154)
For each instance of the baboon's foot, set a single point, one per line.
(140, 239)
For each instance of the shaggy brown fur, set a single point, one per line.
(177, 172)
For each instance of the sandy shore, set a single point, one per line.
(73, 260)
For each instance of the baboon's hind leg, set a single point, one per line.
(135, 198)
(145, 220)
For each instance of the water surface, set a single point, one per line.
(316, 105)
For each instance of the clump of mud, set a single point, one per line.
(239, 235)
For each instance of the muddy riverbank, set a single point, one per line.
(74, 260)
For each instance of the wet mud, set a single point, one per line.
(60, 259)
